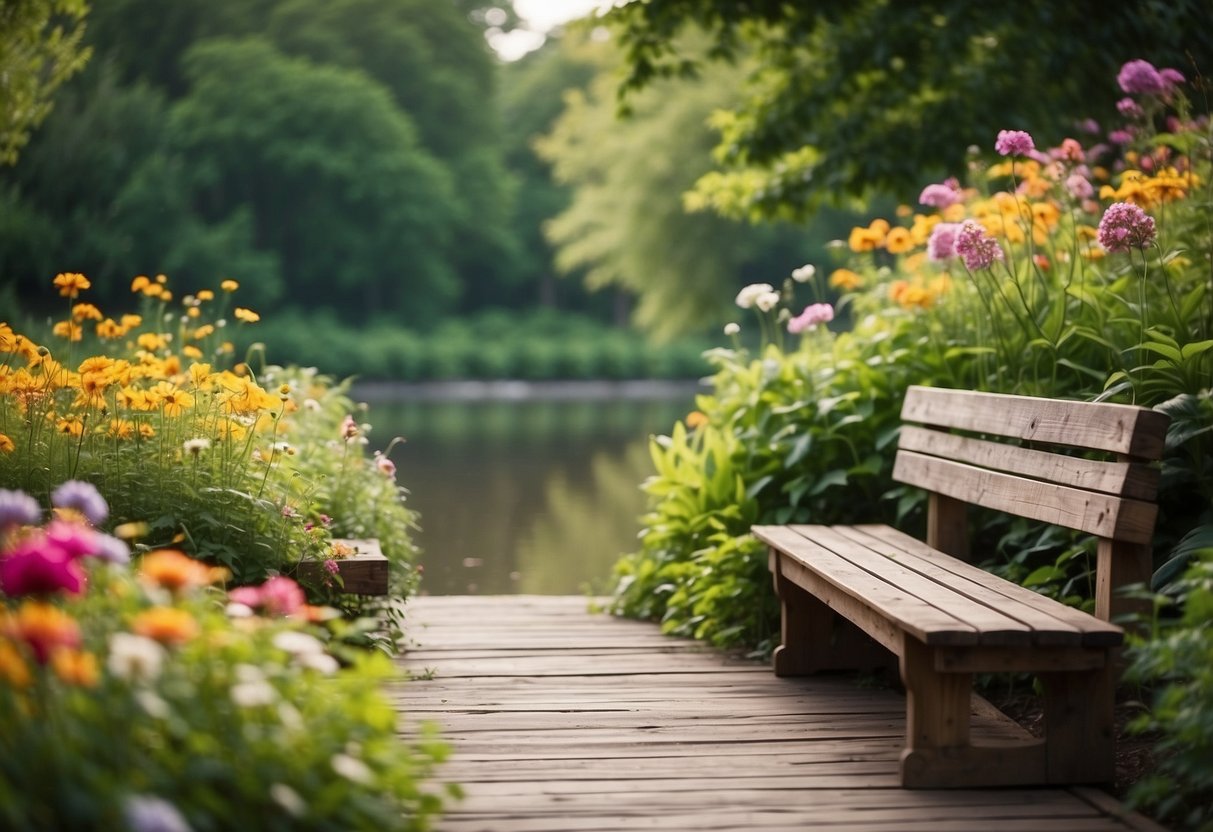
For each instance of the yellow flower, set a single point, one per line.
(121, 428)
(161, 279)
(862, 239)
(6, 444)
(846, 280)
(167, 625)
(696, 419)
(68, 329)
(95, 364)
(76, 667)
(109, 330)
(129, 322)
(246, 315)
(171, 398)
(190, 351)
(70, 425)
(227, 429)
(150, 341)
(200, 374)
(229, 286)
(140, 283)
(193, 312)
(71, 284)
(899, 241)
(83, 311)
(203, 331)
(146, 430)
(205, 295)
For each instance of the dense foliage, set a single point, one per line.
(847, 97)
(1078, 271)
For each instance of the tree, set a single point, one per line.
(627, 225)
(40, 48)
(852, 96)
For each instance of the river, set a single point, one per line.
(524, 490)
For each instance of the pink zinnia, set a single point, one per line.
(1014, 143)
(38, 566)
(1125, 226)
(1079, 186)
(941, 245)
(978, 249)
(813, 314)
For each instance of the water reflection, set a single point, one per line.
(524, 496)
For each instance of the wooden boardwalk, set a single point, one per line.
(563, 720)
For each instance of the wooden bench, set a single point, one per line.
(945, 619)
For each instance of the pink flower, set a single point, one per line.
(385, 466)
(349, 428)
(977, 248)
(1014, 143)
(1128, 108)
(941, 195)
(1171, 77)
(1121, 137)
(39, 566)
(941, 245)
(1079, 187)
(277, 596)
(1070, 150)
(250, 596)
(1125, 226)
(813, 314)
(332, 567)
(1140, 77)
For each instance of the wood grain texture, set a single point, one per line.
(617, 741)
(1116, 428)
(363, 573)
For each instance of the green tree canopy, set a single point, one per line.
(852, 96)
(40, 48)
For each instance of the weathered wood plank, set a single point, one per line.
(1116, 428)
(1059, 505)
(365, 572)
(720, 747)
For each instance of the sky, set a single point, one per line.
(539, 16)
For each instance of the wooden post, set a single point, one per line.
(1120, 564)
(948, 526)
(1079, 731)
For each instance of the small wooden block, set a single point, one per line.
(363, 573)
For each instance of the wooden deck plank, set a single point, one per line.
(563, 720)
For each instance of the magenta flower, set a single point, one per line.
(977, 248)
(1140, 78)
(84, 498)
(1121, 137)
(1125, 226)
(38, 566)
(941, 245)
(1129, 108)
(277, 596)
(18, 509)
(1014, 143)
(1171, 78)
(813, 314)
(941, 195)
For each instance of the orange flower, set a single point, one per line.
(140, 283)
(68, 329)
(150, 341)
(70, 426)
(121, 428)
(229, 285)
(206, 294)
(696, 419)
(173, 399)
(131, 321)
(6, 444)
(846, 280)
(76, 667)
(13, 669)
(174, 570)
(248, 316)
(167, 625)
(899, 241)
(71, 284)
(86, 311)
(45, 628)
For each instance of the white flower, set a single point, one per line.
(747, 296)
(297, 643)
(196, 446)
(134, 658)
(288, 799)
(767, 301)
(238, 610)
(352, 768)
(155, 707)
(311, 404)
(320, 662)
(731, 329)
(252, 694)
(805, 273)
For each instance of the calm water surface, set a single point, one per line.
(531, 496)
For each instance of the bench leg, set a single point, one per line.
(1079, 725)
(814, 638)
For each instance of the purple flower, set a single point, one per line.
(941, 195)
(978, 249)
(1090, 125)
(813, 314)
(84, 498)
(39, 566)
(1129, 108)
(332, 567)
(1140, 78)
(111, 549)
(1121, 137)
(941, 245)
(1171, 77)
(1125, 226)
(18, 509)
(1014, 143)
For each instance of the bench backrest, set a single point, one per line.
(985, 449)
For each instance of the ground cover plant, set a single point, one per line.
(1077, 271)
